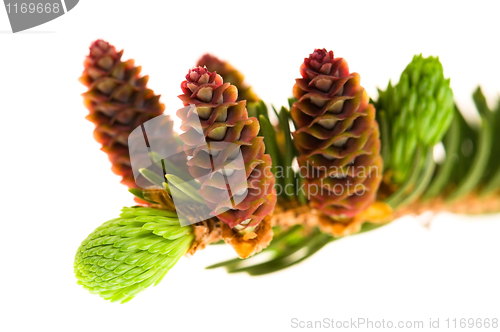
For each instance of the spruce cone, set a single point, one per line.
(337, 137)
(230, 75)
(118, 101)
(224, 121)
(126, 255)
(419, 112)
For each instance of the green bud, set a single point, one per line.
(126, 255)
(420, 110)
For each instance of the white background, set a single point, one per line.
(57, 187)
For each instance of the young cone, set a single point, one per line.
(118, 101)
(337, 137)
(126, 255)
(224, 120)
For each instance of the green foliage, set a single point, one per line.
(417, 111)
(492, 178)
(289, 151)
(472, 160)
(479, 164)
(289, 247)
(271, 146)
(139, 194)
(184, 190)
(128, 254)
(443, 173)
(417, 181)
(282, 155)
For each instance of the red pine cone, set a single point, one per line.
(337, 137)
(224, 120)
(118, 101)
